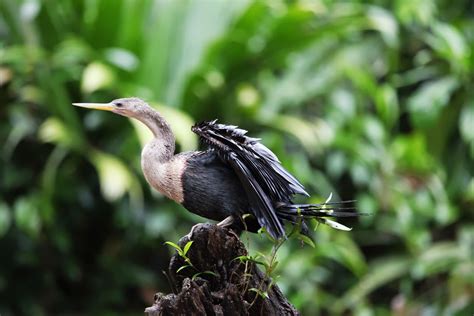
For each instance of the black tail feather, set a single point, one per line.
(330, 209)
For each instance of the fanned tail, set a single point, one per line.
(269, 187)
(320, 212)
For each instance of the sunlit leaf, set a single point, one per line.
(175, 246)
(450, 43)
(313, 135)
(115, 177)
(387, 104)
(122, 58)
(440, 257)
(426, 103)
(416, 10)
(29, 10)
(187, 247)
(306, 240)
(183, 267)
(27, 216)
(377, 275)
(54, 130)
(383, 21)
(466, 125)
(96, 76)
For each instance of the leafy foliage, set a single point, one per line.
(370, 100)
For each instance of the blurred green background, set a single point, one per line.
(369, 100)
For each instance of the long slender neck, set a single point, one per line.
(163, 142)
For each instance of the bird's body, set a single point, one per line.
(197, 180)
(237, 175)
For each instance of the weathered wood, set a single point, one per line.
(224, 292)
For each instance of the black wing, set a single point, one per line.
(264, 179)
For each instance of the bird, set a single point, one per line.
(237, 181)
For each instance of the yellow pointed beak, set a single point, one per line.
(96, 106)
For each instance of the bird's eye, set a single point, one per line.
(119, 104)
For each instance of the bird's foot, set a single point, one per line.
(228, 221)
(189, 236)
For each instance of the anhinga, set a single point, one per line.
(237, 175)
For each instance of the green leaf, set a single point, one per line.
(183, 267)
(386, 102)
(210, 273)
(53, 130)
(261, 293)
(97, 76)
(175, 246)
(411, 153)
(344, 250)
(115, 177)
(440, 257)
(383, 21)
(378, 274)
(466, 124)
(243, 258)
(27, 216)
(313, 135)
(450, 43)
(204, 272)
(306, 240)
(187, 247)
(426, 103)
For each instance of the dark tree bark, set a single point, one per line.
(225, 291)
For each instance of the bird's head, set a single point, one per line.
(130, 107)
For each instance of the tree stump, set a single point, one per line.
(218, 283)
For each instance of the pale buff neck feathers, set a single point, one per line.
(164, 176)
(162, 169)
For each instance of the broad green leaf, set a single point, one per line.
(411, 153)
(122, 58)
(450, 43)
(438, 258)
(386, 102)
(343, 249)
(378, 274)
(313, 135)
(466, 125)
(422, 11)
(97, 76)
(53, 130)
(383, 21)
(115, 177)
(426, 103)
(27, 216)
(166, 64)
(29, 10)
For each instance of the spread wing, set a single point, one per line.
(264, 179)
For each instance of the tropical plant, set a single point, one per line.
(369, 100)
